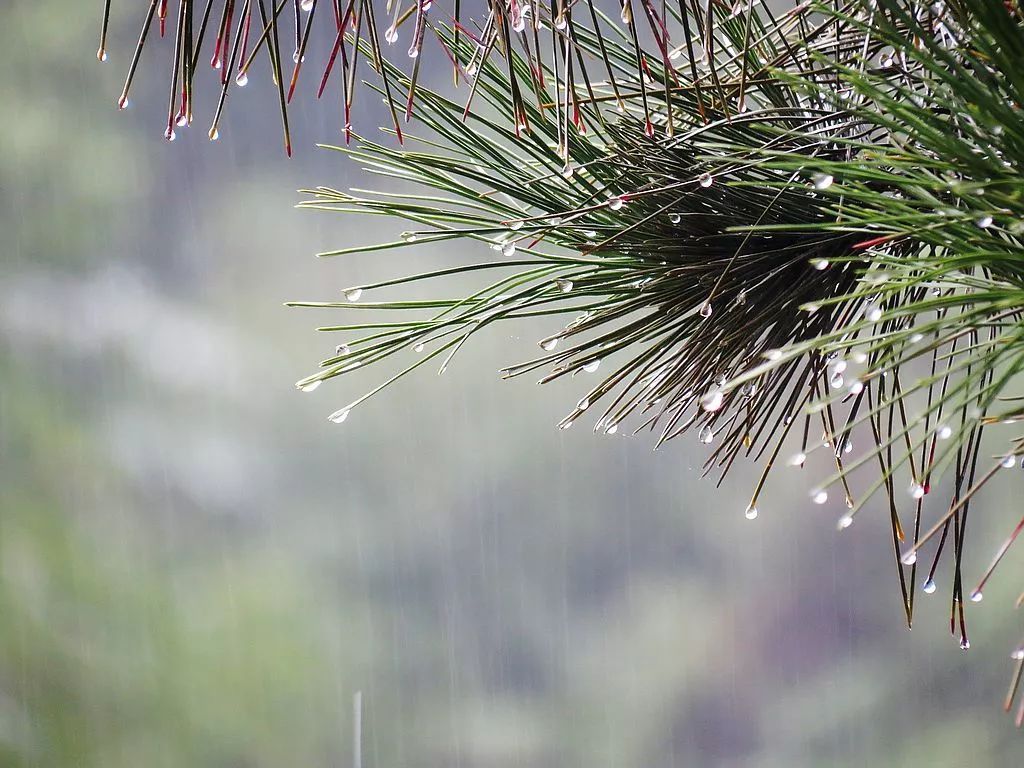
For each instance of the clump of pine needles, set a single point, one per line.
(802, 229)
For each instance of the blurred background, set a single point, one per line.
(198, 569)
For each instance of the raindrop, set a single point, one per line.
(567, 171)
(929, 587)
(706, 180)
(214, 134)
(101, 54)
(674, 218)
(916, 491)
(916, 337)
(515, 224)
(857, 387)
(309, 386)
(169, 134)
(295, 58)
(838, 366)
(749, 389)
(338, 416)
(976, 596)
(549, 343)
(910, 557)
(242, 80)
(819, 496)
(860, 358)
(583, 404)
(845, 522)
(591, 365)
(822, 181)
(984, 222)
(1018, 653)
(508, 249)
(418, 347)
(565, 425)
(707, 434)
(773, 355)
(798, 459)
(705, 309)
(564, 285)
(612, 429)
(819, 264)
(1008, 461)
(712, 401)
(965, 644)
(837, 380)
(307, 5)
(873, 313)
(353, 294)
(848, 446)
(751, 513)
(391, 36)
(944, 432)
(342, 349)
(409, 237)
(615, 203)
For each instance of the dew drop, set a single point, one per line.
(169, 134)
(798, 459)
(707, 434)
(309, 386)
(214, 134)
(591, 365)
(583, 404)
(563, 284)
(391, 35)
(409, 237)
(242, 80)
(976, 596)
(706, 180)
(508, 249)
(307, 5)
(674, 218)
(342, 349)
(417, 347)
(819, 264)
(773, 355)
(837, 380)
(929, 587)
(182, 120)
(916, 337)
(944, 432)
(1018, 653)
(338, 416)
(612, 429)
(909, 557)
(712, 401)
(749, 389)
(515, 224)
(916, 491)
(353, 294)
(567, 171)
(101, 54)
(845, 522)
(565, 425)
(873, 313)
(751, 513)
(965, 644)
(705, 309)
(819, 496)
(822, 181)
(615, 203)
(983, 222)
(549, 343)
(1008, 461)
(857, 387)
(295, 58)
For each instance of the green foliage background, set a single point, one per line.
(196, 569)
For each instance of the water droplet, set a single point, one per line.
(417, 347)
(707, 434)
(909, 557)
(567, 171)
(591, 365)
(214, 134)
(798, 459)
(820, 264)
(984, 222)
(944, 432)
(353, 294)
(295, 58)
(857, 387)
(873, 313)
(712, 401)
(409, 237)
(612, 429)
(338, 416)
(751, 513)
(819, 496)
(514, 224)
(845, 522)
(916, 491)
(307, 5)
(564, 284)
(976, 596)
(848, 446)
(342, 349)
(773, 355)
(309, 386)
(1008, 461)
(565, 425)
(101, 54)
(705, 309)
(822, 181)
(508, 249)
(706, 180)
(916, 337)
(169, 134)
(860, 358)
(391, 35)
(549, 343)
(836, 381)
(749, 389)
(965, 644)
(182, 120)
(929, 587)
(583, 404)
(242, 80)
(615, 203)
